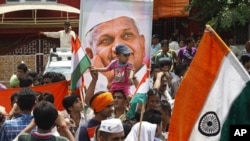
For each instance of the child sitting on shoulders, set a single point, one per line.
(123, 71)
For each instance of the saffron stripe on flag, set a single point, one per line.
(204, 92)
(80, 63)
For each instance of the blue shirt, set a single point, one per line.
(11, 128)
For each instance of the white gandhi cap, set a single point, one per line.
(111, 125)
(107, 10)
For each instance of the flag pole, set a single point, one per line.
(82, 93)
(141, 117)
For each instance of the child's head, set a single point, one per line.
(122, 53)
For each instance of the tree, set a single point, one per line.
(223, 15)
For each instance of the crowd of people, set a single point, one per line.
(34, 117)
(106, 113)
(103, 115)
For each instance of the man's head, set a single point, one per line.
(25, 81)
(165, 65)
(47, 96)
(21, 70)
(111, 129)
(45, 115)
(153, 98)
(155, 39)
(26, 99)
(67, 26)
(120, 100)
(155, 117)
(190, 42)
(47, 77)
(102, 104)
(165, 46)
(72, 103)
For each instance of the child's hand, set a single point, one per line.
(92, 68)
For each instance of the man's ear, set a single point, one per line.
(89, 52)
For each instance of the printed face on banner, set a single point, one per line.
(112, 23)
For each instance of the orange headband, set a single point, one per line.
(101, 101)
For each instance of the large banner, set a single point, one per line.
(105, 24)
(58, 89)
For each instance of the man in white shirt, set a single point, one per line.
(64, 35)
(174, 43)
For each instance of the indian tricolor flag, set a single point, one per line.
(213, 94)
(80, 63)
(140, 95)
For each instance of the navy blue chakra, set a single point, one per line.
(209, 124)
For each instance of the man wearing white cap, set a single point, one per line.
(111, 24)
(110, 130)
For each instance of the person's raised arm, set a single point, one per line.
(91, 89)
(63, 129)
(157, 82)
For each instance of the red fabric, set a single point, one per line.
(170, 8)
(58, 89)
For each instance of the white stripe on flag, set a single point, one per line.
(231, 80)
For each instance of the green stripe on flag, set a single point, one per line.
(81, 67)
(239, 113)
(139, 98)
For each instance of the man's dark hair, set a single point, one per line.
(189, 40)
(244, 59)
(13, 98)
(164, 42)
(153, 92)
(166, 107)
(46, 97)
(49, 75)
(120, 91)
(174, 37)
(35, 76)
(105, 135)
(45, 115)
(67, 23)
(58, 77)
(68, 101)
(163, 63)
(156, 36)
(127, 125)
(25, 81)
(26, 99)
(180, 68)
(23, 67)
(152, 116)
